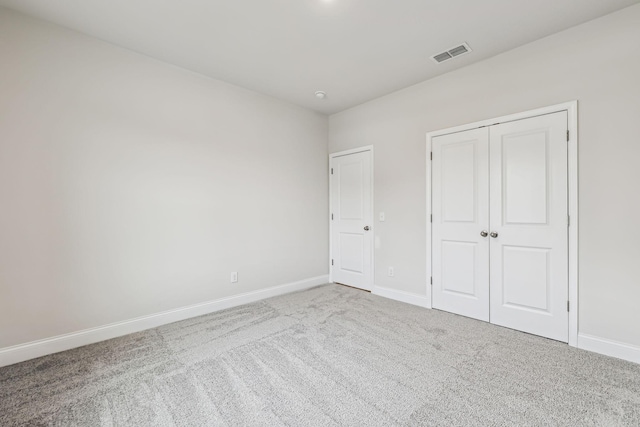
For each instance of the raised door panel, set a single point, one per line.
(351, 253)
(458, 268)
(459, 178)
(351, 184)
(524, 177)
(526, 278)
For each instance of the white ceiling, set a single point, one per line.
(355, 50)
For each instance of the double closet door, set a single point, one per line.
(500, 224)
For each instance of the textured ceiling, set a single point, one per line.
(355, 50)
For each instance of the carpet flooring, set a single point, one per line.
(329, 356)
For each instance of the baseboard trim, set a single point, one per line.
(34, 349)
(402, 296)
(608, 347)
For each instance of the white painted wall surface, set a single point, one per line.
(597, 63)
(130, 187)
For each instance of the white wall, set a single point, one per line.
(129, 186)
(597, 63)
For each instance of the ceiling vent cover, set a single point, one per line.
(451, 53)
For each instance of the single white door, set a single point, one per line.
(352, 219)
(529, 234)
(460, 200)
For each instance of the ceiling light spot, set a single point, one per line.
(321, 95)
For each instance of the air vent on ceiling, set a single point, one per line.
(451, 53)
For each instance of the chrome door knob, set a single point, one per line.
(494, 234)
(483, 233)
(366, 228)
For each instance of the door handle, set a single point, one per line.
(494, 234)
(483, 233)
(366, 228)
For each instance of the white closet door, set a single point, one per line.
(460, 201)
(529, 240)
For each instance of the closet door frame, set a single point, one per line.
(572, 114)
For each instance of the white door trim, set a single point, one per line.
(572, 112)
(332, 156)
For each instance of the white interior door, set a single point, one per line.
(460, 201)
(529, 240)
(352, 219)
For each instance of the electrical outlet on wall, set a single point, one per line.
(234, 277)
(390, 271)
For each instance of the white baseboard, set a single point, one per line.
(604, 346)
(609, 347)
(402, 296)
(31, 350)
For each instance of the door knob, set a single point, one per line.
(494, 234)
(483, 233)
(366, 228)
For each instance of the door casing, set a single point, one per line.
(572, 113)
(370, 235)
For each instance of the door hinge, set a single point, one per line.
(331, 171)
(567, 136)
(431, 218)
(331, 262)
(331, 217)
(568, 221)
(431, 280)
(431, 156)
(568, 306)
